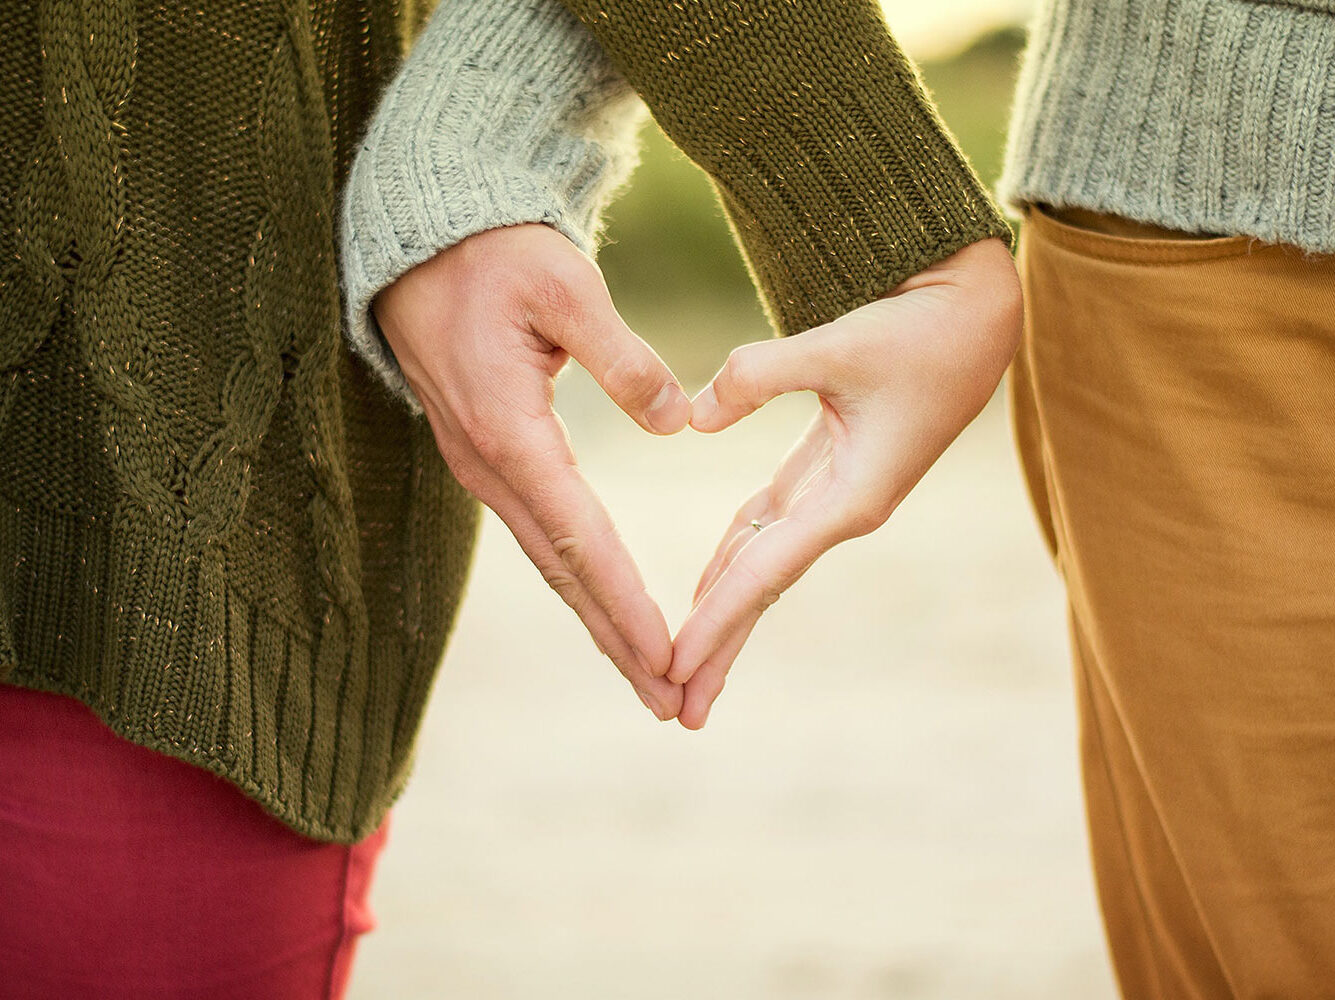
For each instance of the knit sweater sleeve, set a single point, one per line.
(835, 170)
(504, 112)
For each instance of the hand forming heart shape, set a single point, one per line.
(482, 329)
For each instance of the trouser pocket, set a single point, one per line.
(1173, 408)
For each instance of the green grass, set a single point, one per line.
(674, 270)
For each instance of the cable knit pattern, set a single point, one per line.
(217, 529)
(213, 519)
(35, 248)
(1212, 116)
(502, 114)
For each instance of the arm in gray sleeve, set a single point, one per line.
(504, 112)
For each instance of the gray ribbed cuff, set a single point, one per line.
(505, 112)
(1201, 115)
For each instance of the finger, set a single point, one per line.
(551, 488)
(754, 508)
(728, 548)
(794, 472)
(659, 696)
(763, 569)
(756, 373)
(574, 310)
(703, 689)
(533, 457)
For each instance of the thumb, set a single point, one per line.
(581, 319)
(752, 376)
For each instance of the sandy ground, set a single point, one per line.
(884, 804)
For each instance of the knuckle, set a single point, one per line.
(467, 475)
(549, 292)
(633, 375)
(562, 285)
(472, 424)
(742, 373)
(564, 583)
(492, 448)
(495, 442)
(573, 553)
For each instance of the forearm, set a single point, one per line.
(838, 175)
(505, 112)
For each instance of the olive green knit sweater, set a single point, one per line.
(218, 530)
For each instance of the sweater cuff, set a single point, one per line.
(502, 114)
(837, 173)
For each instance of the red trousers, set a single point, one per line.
(128, 874)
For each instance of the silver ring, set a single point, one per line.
(757, 525)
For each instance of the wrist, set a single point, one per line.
(501, 115)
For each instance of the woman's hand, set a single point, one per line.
(480, 332)
(898, 379)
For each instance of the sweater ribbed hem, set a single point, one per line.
(269, 799)
(1211, 116)
(836, 172)
(194, 668)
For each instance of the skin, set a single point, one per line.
(897, 379)
(482, 329)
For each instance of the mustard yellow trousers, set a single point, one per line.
(1174, 405)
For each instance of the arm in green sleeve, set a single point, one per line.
(835, 170)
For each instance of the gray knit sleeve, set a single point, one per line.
(504, 112)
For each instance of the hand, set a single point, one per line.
(481, 331)
(898, 379)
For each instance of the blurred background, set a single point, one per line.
(885, 802)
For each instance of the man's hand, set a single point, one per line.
(898, 379)
(481, 331)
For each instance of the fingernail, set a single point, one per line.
(703, 405)
(670, 410)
